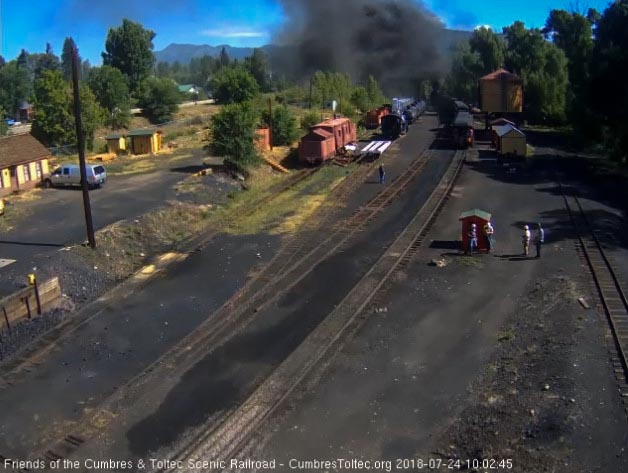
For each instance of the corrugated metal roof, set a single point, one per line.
(332, 122)
(19, 149)
(499, 73)
(144, 132)
(506, 129)
(475, 213)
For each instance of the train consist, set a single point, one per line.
(326, 139)
(330, 137)
(404, 112)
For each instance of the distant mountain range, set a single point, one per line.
(184, 53)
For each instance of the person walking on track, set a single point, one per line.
(488, 231)
(526, 240)
(539, 239)
(382, 174)
(473, 238)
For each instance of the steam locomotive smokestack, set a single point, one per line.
(393, 40)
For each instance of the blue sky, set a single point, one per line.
(30, 24)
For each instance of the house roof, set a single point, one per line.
(114, 136)
(501, 73)
(507, 129)
(24, 105)
(186, 87)
(320, 133)
(503, 121)
(19, 149)
(143, 132)
(476, 213)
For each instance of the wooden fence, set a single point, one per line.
(30, 302)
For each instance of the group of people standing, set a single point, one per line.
(539, 238)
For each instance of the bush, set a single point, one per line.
(310, 119)
(284, 130)
(233, 133)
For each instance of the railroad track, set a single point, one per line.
(282, 273)
(228, 437)
(607, 284)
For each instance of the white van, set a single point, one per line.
(70, 175)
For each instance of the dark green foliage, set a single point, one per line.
(223, 59)
(310, 119)
(233, 85)
(233, 133)
(160, 99)
(16, 86)
(609, 70)
(130, 49)
(257, 66)
(285, 130)
(4, 128)
(66, 58)
(112, 92)
(54, 122)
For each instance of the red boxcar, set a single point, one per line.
(374, 117)
(325, 139)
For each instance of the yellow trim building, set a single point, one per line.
(24, 162)
(145, 141)
(116, 143)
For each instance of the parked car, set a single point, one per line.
(70, 175)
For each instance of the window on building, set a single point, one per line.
(27, 172)
(38, 169)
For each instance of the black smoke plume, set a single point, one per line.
(393, 40)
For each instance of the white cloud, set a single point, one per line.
(488, 27)
(233, 33)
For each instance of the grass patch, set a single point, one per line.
(472, 261)
(505, 336)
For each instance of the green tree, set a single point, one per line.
(4, 129)
(130, 49)
(490, 49)
(543, 68)
(310, 119)
(609, 69)
(112, 93)
(285, 130)
(92, 114)
(462, 81)
(233, 133)
(375, 96)
(160, 99)
(233, 85)
(223, 59)
(573, 34)
(66, 58)
(360, 99)
(257, 66)
(54, 122)
(2, 62)
(15, 86)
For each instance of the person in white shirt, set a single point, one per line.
(488, 231)
(526, 240)
(539, 239)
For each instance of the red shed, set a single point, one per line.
(263, 139)
(480, 218)
(317, 146)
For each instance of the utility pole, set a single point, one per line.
(81, 150)
(311, 85)
(270, 114)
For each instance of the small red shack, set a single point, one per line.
(480, 218)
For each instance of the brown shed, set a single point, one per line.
(145, 141)
(116, 143)
(263, 139)
(24, 161)
(501, 92)
(479, 218)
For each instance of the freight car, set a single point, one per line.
(393, 126)
(373, 118)
(326, 139)
(461, 130)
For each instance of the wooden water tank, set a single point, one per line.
(501, 92)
